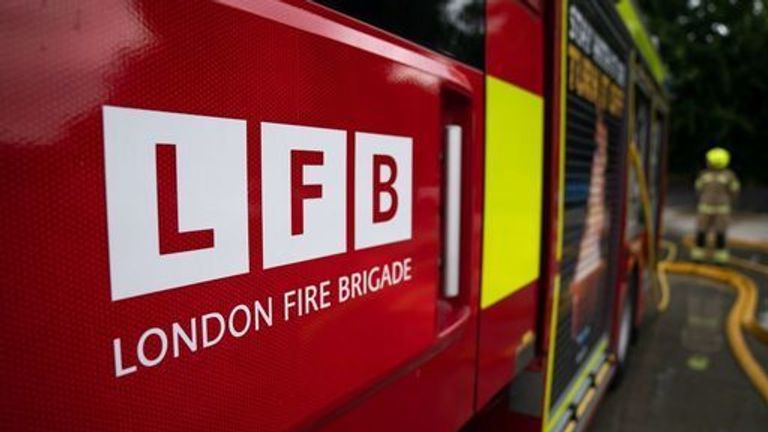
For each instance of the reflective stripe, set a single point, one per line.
(708, 177)
(634, 23)
(703, 178)
(513, 187)
(714, 209)
(698, 253)
(721, 255)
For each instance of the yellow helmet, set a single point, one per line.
(718, 158)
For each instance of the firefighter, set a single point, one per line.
(716, 187)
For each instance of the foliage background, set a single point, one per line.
(716, 52)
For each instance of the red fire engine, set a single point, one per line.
(271, 215)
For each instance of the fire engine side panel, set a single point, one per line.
(81, 357)
(435, 391)
(513, 190)
(514, 44)
(591, 199)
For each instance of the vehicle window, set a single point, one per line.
(451, 27)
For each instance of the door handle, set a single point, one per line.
(452, 225)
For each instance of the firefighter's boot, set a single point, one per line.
(721, 255)
(698, 253)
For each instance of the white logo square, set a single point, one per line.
(303, 193)
(383, 189)
(159, 239)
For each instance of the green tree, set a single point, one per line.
(717, 55)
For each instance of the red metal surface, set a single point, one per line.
(629, 258)
(553, 100)
(502, 327)
(514, 53)
(515, 44)
(639, 250)
(626, 262)
(496, 416)
(536, 5)
(383, 354)
(622, 289)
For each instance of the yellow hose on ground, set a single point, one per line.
(672, 250)
(751, 324)
(735, 243)
(661, 275)
(660, 291)
(742, 314)
(760, 246)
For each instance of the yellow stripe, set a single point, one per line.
(714, 209)
(575, 384)
(560, 215)
(563, 120)
(551, 354)
(635, 26)
(513, 189)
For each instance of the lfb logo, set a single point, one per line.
(177, 196)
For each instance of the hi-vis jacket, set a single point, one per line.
(716, 188)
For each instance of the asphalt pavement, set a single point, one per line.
(682, 375)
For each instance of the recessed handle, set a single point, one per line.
(452, 226)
